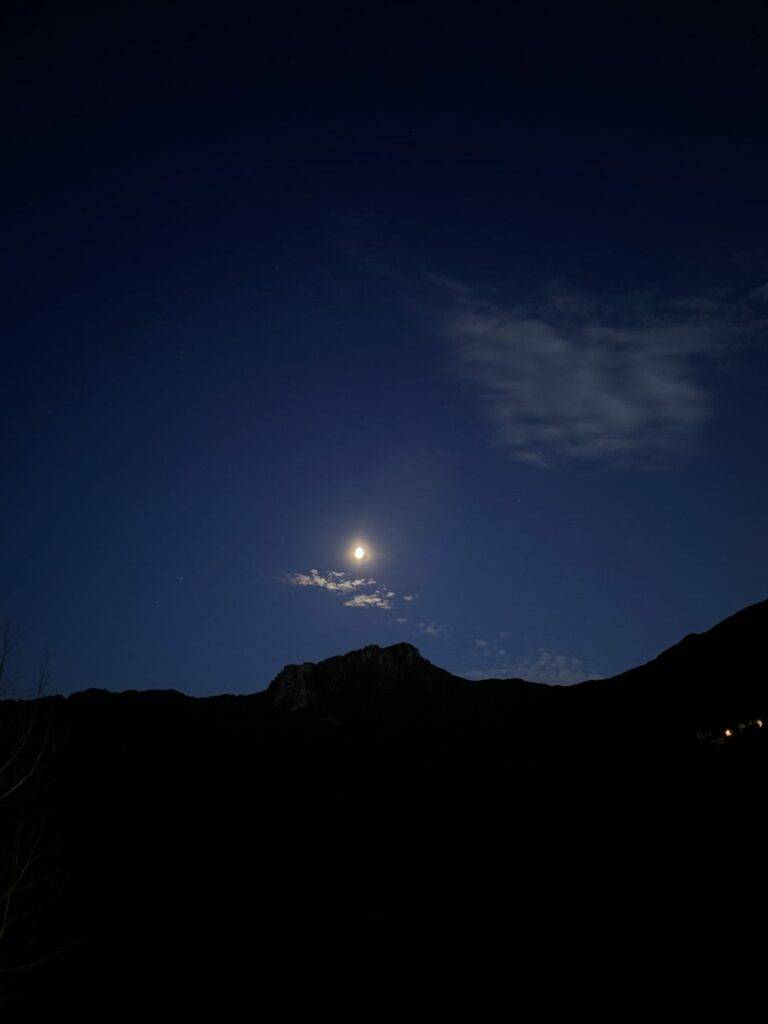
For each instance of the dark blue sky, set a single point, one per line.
(486, 289)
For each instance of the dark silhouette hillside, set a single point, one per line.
(378, 787)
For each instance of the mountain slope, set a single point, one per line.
(367, 683)
(375, 785)
(702, 682)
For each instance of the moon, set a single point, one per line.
(359, 552)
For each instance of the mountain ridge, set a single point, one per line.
(699, 682)
(376, 785)
(701, 677)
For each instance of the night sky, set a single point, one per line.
(484, 290)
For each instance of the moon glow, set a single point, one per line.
(359, 552)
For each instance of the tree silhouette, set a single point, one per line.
(28, 874)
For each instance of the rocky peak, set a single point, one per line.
(356, 682)
(396, 654)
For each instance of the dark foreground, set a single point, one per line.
(377, 791)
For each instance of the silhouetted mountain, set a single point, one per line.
(367, 684)
(376, 786)
(701, 683)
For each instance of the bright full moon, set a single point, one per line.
(359, 552)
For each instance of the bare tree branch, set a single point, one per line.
(28, 872)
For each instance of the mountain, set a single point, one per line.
(704, 682)
(370, 683)
(377, 787)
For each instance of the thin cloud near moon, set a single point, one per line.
(363, 592)
(336, 582)
(340, 582)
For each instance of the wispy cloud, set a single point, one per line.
(433, 629)
(342, 584)
(574, 377)
(410, 597)
(543, 667)
(381, 598)
(332, 581)
(488, 649)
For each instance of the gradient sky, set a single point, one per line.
(487, 289)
